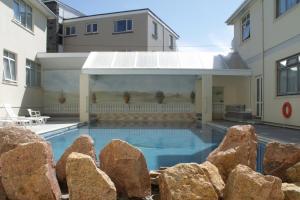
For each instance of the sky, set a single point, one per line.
(200, 23)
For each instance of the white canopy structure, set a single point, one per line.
(159, 63)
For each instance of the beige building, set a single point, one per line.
(136, 30)
(267, 37)
(23, 34)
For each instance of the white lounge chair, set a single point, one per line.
(37, 114)
(20, 120)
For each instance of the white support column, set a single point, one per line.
(84, 91)
(207, 85)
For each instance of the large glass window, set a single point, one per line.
(285, 5)
(288, 76)
(9, 62)
(246, 29)
(23, 13)
(123, 26)
(33, 74)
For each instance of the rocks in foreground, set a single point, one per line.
(127, 168)
(244, 183)
(293, 173)
(186, 181)
(86, 181)
(279, 157)
(85, 145)
(291, 191)
(28, 173)
(239, 146)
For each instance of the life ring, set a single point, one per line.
(287, 110)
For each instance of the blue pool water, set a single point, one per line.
(162, 147)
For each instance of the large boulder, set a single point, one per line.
(27, 173)
(239, 146)
(293, 173)
(86, 181)
(214, 177)
(244, 183)
(85, 145)
(10, 138)
(291, 191)
(279, 157)
(186, 181)
(127, 168)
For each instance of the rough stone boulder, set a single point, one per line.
(85, 145)
(293, 173)
(186, 181)
(291, 191)
(127, 168)
(86, 181)
(27, 173)
(214, 176)
(11, 137)
(279, 157)
(244, 183)
(239, 146)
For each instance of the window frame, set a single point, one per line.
(155, 30)
(71, 28)
(286, 9)
(126, 29)
(244, 20)
(9, 59)
(35, 68)
(286, 69)
(18, 16)
(92, 28)
(171, 41)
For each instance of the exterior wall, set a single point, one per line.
(161, 43)
(25, 44)
(105, 39)
(53, 28)
(272, 39)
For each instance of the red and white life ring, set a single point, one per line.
(287, 110)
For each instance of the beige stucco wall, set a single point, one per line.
(281, 39)
(25, 45)
(105, 40)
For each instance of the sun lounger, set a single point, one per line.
(37, 114)
(21, 120)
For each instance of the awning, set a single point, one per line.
(159, 63)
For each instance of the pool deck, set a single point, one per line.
(265, 132)
(53, 126)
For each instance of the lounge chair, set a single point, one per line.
(37, 114)
(20, 120)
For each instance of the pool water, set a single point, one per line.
(162, 147)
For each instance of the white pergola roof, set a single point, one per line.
(158, 63)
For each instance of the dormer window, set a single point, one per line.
(246, 28)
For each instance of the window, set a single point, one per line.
(288, 77)
(9, 62)
(285, 5)
(33, 74)
(70, 30)
(246, 30)
(92, 28)
(155, 32)
(23, 13)
(171, 42)
(123, 26)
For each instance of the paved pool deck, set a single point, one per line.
(265, 132)
(53, 126)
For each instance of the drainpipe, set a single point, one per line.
(263, 59)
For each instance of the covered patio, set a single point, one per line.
(191, 83)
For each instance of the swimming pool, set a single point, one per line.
(162, 146)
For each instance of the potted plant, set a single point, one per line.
(94, 98)
(160, 96)
(126, 97)
(193, 97)
(62, 98)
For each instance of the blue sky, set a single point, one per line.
(200, 23)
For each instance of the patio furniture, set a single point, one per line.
(21, 120)
(37, 114)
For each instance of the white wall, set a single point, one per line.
(25, 44)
